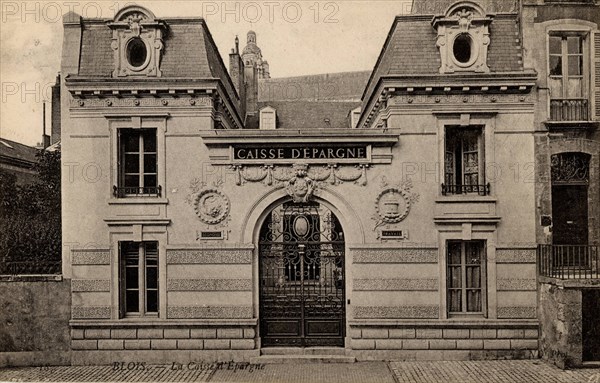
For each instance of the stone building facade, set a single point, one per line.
(562, 43)
(397, 219)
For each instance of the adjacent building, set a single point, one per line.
(392, 214)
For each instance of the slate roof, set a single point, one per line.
(17, 152)
(410, 49)
(344, 86)
(189, 52)
(427, 7)
(321, 101)
(304, 115)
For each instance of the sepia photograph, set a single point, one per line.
(386, 191)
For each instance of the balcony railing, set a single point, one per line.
(30, 267)
(122, 192)
(572, 109)
(569, 261)
(465, 189)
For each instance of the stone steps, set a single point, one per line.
(272, 355)
(302, 359)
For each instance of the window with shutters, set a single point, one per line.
(464, 162)
(138, 163)
(569, 76)
(138, 279)
(466, 278)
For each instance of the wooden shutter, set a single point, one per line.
(596, 73)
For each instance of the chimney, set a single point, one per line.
(55, 112)
(45, 137)
(236, 72)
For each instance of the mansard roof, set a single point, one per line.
(429, 7)
(410, 49)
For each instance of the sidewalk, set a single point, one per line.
(504, 371)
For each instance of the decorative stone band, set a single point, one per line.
(516, 285)
(90, 312)
(90, 257)
(517, 312)
(515, 255)
(395, 284)
(209, 256)
(396, 312)
(209, 285)
(90, 285)
(395, 255)
(209, 312)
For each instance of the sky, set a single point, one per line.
(296, 37)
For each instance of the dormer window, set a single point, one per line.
(354, 117)
(268, 118)
(463, 38)
(137, 43)
(137, 53)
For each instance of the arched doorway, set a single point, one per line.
(301, 276)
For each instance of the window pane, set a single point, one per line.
(454, 301)
(454, 276)
(473, 276)
(575, 65)
(473, 252)
(132, 181)
(152, 301)
(555, 66)
(151, 277)
(555, 44)
(473, 300)
(132, 300)
(150, 140)
(150, 163)
(131, 277)
(130, 140)
(574, 88)
(454, 253)
(150, 181)
(132, 163)
(574, 44)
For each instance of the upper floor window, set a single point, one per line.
(138, 163)
(464, 162)
(567, 77)
(466, 277)
(139, 278)
(268, 118)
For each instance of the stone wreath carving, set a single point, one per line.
(211, 206)
(281, 175)
(393, 203)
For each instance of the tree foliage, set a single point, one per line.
(30, 228)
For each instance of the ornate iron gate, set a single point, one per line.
(302, 277)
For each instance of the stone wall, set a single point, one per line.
(34, 321)
(560, 324)
(446, 342)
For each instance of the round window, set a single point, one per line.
(462, 48)
(136, 52)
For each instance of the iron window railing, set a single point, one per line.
(573, 109)
(569, 261)
(122, 192)
(466, 189)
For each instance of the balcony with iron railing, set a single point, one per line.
(482, 190)
(572, 109)
(122, 192)
(580, 262)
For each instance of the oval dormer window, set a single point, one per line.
(137, 53)
(462, 49)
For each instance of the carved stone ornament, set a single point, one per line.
(212, 206)
(137, 42)
(300, 187)
(280, 175)
(393, 203)
(463, 38)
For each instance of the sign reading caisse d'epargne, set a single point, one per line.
(304, 152)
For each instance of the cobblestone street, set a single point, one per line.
(507, 371)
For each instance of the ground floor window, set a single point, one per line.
(139, 278)
(466, 277)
